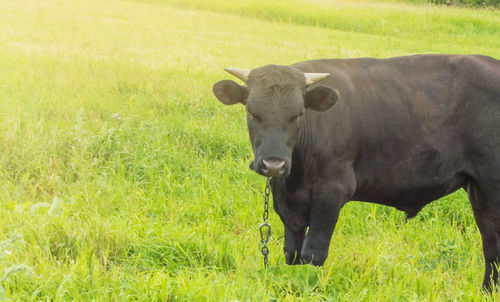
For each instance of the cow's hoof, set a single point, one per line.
(488, 287)
(292, 258)
(312, 259)
(306, 259)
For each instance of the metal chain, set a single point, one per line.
(265, 227)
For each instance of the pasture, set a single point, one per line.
(122, 178)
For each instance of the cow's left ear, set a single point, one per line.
(320, 98)
(229, 92)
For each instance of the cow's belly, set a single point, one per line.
(409, 186)
(410, 194)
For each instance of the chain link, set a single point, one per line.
(265, 227)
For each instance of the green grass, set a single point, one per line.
(122, 178)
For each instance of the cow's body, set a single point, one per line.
(404, 132)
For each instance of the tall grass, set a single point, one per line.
(122, 178)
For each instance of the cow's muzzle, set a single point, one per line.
(273, 167)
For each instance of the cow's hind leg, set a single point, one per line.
(488, 224)
(293, 245)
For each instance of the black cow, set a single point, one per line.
(400, 132)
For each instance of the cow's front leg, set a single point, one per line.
(324, 213)
(293, 245)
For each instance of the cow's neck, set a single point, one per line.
(302, 155)
(306, 143)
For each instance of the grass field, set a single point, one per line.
(122, 178)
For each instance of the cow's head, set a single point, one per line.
(276, 98)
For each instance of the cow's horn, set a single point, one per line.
(241, 74)
(312, 78)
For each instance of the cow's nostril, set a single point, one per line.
(274, 164)
(273, 167)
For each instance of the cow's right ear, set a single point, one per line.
(229, 92)
(320, 98)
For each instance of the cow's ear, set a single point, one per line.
(320, 98)
(229, 92)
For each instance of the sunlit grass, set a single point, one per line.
(127, 180)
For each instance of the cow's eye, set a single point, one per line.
(251, 116)
(297, 118)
